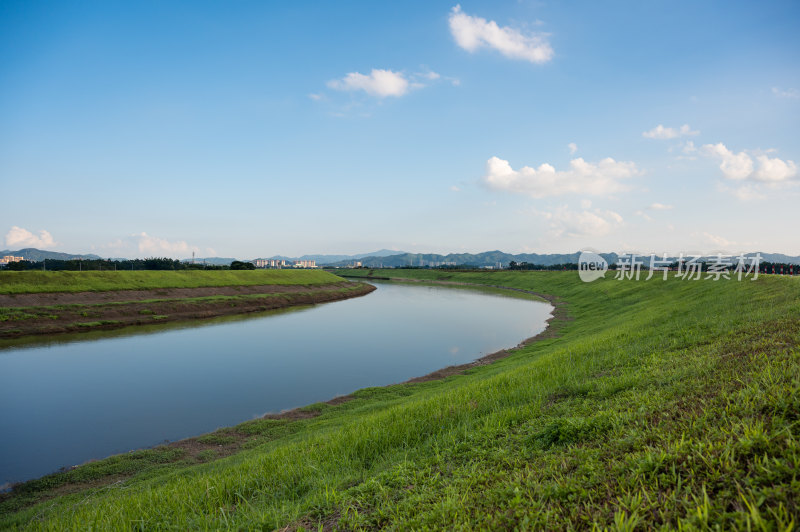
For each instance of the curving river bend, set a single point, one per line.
(69, 401)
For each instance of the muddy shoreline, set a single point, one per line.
(55, 313)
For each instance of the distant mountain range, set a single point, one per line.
(36, 255)
(488, 258)
(388, 258)
(500, 259)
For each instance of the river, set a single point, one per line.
(67, 400)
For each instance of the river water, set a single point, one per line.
(67, 400)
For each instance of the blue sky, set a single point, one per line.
(250, 129)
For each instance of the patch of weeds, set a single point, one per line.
(217, 439)
(564, 393)
(97, 323)
(314, 407)
(13, 315)
(253, 442)
(207, 455)
(262, 426)
(146, 311)
(160, 317)
(121, 464)
(569, 431)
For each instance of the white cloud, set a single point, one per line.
(566, 223)
(787, 93)
(745, 192)
(601, 178)
(734, 166)
(379, 83)
(316, 97)
(748, 193)
(740, 166)
(774, 169)
(572, 148)
(586, 204)
(472, 33)
(662, 133)
(18, 237)
(717, 240)
(151, 245)
(455, 189)
(652, 207)
(145, 245)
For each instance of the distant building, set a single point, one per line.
(269, 263)
(10, 258)
(305, 264)
(281, 263)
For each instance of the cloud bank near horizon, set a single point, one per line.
(22, 238)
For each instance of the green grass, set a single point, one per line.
(12, 282)
(661, 405)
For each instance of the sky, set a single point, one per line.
(251, 129)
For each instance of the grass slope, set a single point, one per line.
(662, 404)
(12, 282)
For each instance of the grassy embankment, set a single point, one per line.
(36, 282)
(671, 404)
(36, 303)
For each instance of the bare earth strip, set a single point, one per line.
(89, 298)
(51, 313)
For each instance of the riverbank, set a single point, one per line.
(659, 404)
(32, 282)
(67, 311)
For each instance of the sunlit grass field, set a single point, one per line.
(12, 282)
(661, 404)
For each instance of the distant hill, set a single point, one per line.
(331, 259)
(36, 255)
(780, 257)
(488, 258)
